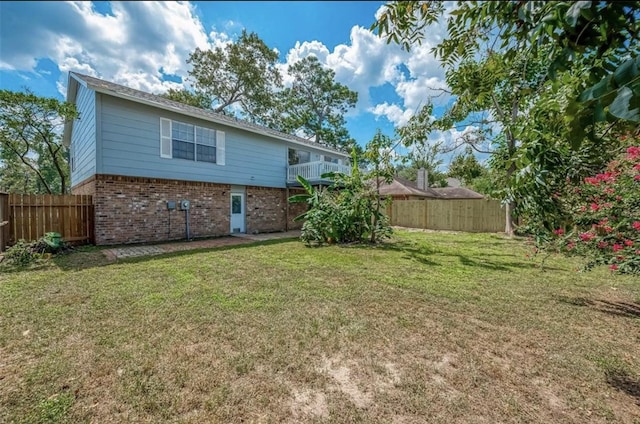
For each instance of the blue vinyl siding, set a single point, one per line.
(130, 145)
(83, 137)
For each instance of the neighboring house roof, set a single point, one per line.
(117, 90)
(457, 193)
(403, 187)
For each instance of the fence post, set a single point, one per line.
(4, 221)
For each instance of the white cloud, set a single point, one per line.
(419, 91)
(364, 63)
(368, 61)
(300, 51)
(129, 46)
(393, 113)
(136, 40)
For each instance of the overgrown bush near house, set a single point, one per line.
(606, 217)
(345, 213)
(24, 253)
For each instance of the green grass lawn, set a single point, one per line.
(431, 327)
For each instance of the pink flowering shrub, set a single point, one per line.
(606, 216)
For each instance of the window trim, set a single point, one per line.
(167, 139)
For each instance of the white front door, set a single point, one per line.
(237, 213)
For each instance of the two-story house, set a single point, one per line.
(140, 156)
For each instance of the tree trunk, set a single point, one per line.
(509, 219)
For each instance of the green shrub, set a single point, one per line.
(605, 210)
(20, 254)
(347, 212)
(24, 253)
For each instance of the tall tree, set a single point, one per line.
(423, 155)
(315, 104)
(466, 167)
(602, 35)
(30, 140)
(378, 154)
(191, 98)
(531, 46)
(241, 74)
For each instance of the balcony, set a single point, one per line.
(312, 171)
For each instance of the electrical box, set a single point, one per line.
(185, 205)
(171, 205)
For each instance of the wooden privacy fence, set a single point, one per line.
(30, 216)
(469, 215)
(4, 220)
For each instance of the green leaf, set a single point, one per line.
(574, 11)
(299, 198)
(620, 108)
(596, 91)
(304, 183)
(627, 71)
(599, 113)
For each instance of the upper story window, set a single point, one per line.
(299, 156)
(186, 141)
(302, 156)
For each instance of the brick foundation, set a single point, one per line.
(266, 209)
(296, 209)
(87, 187)
(134, 209)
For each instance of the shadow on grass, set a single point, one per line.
(95, 257)
(425, 255)
(624, 309)
(620, 380)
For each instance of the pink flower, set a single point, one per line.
(618, 198)
(636, 177)
(558, 231)
(587, 236)
(571, 245)
(617, 247)
(636, 225)
(607, 229)
(607, 177)
(636, 167)
(613, 267)
(595, 207)
(592, 180)
(602, 244)
(633, 152)
(628, 243)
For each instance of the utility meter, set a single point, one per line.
(185, 205)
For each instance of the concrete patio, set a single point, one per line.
(124, 252)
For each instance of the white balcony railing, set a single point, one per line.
(311, 171)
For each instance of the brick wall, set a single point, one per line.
(134, 210)
(266, 209)
(86, 187)
(296, 209)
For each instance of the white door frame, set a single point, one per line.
(237, 222)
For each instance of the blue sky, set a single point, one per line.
(144, 45)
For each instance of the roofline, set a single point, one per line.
(285, 138)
